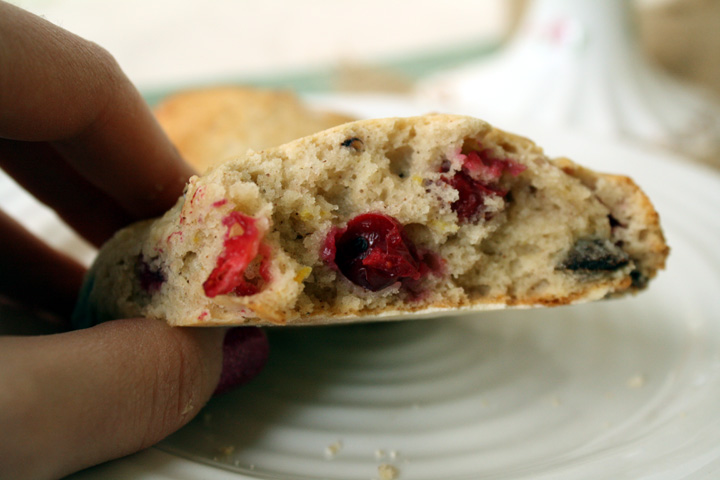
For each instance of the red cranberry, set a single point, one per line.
(373, 252)
(470, 205)
(242, 245)
(477, 179)
(481, 165)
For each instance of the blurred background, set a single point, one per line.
(312, 44)
(163, 44)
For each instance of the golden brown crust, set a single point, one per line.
(628, 204)
(328, 315)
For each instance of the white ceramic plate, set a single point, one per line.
(618, 389)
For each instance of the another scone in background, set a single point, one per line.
(217, 123)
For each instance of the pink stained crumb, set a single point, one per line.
(169, 237)
(329, 249)
(433, 264)
(198, 191)
(220, 203)
(203, 315)
(243, 244)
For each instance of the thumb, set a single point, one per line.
(79, 398)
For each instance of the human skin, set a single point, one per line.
(76, 134)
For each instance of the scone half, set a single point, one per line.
(380, 219)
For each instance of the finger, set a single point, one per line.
(125, 153)
(34, 273)
(55, 86)
(41, 171)
(84, 397)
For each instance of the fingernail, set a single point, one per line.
(245, 352)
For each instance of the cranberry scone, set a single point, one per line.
(380, 219)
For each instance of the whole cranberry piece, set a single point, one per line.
(372, 251)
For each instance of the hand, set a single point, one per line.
(77, 135)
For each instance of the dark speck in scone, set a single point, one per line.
(595, 255)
